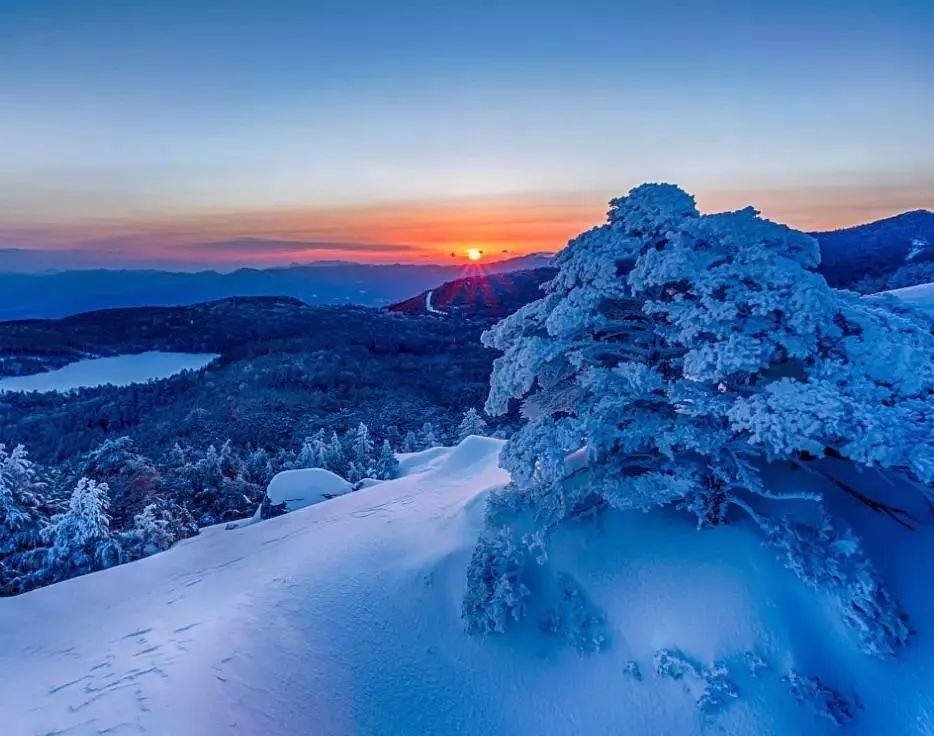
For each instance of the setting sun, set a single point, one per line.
(474, 254)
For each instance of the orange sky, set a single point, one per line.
(432, 231)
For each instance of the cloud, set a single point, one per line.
(261, 245)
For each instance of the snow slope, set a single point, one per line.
(921, 296)
(343, 618)
(120, 370)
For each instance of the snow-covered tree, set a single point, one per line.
(387, 466)
(363, 447)
(410, 442)
(154, 530)
(675, 352)
(333, 457)
(355, 471)
(80, 538)
(428, 437)
(472, 423)
(21, 514)
(309, 455)
(130, 476)
(258, 467)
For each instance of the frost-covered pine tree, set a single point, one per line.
(363, 447)
(334, 457)
(673, 354)
(153, 531)
(387, 466)
(21, 515)
(428, 436)
(410, 442)
(80, 538)
(308, 455)
(130, 476)
(472, 423)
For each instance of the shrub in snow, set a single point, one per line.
(495, 591)
(472, 423)
(674, 353)
(710, 685)
(156, 528)
(829, 557)
(823, 699)
(575, 619)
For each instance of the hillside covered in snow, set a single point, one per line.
(344, 618)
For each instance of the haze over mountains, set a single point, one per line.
(895, 252)
(50, 295)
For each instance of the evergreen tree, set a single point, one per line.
(363, 447)
(308, 456)
(410, 442)
(80, 539)
(21, 512)
(387, 466)
(131, 477)
(355, 472)
(429, 437)
(471, 424)
(334, 457)
(154, 529)
(678, 352)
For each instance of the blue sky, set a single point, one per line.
(149, 121)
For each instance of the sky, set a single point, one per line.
(260, 132)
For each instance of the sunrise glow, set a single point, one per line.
(474, 254)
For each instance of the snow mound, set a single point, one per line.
(344, 618)
(300, 488)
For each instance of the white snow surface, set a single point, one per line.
(344, 618)
(120, 370)
(300, 488)
(921, 296)
(428, 306)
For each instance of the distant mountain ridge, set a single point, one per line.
(480, 295)
(891, 253)
(27, 296)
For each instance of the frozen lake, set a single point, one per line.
(120, 370)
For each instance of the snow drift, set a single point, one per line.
(300, 488)
(344, 618)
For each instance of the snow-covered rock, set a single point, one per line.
(344, 618)
(300, 488)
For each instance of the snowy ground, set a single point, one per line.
(343, 618)
(121, 370)
(921, 296)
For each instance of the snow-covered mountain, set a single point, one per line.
(62, 293)
(344, 618)
(895, 251)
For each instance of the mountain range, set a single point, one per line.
(892, 253)
(59, 294)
